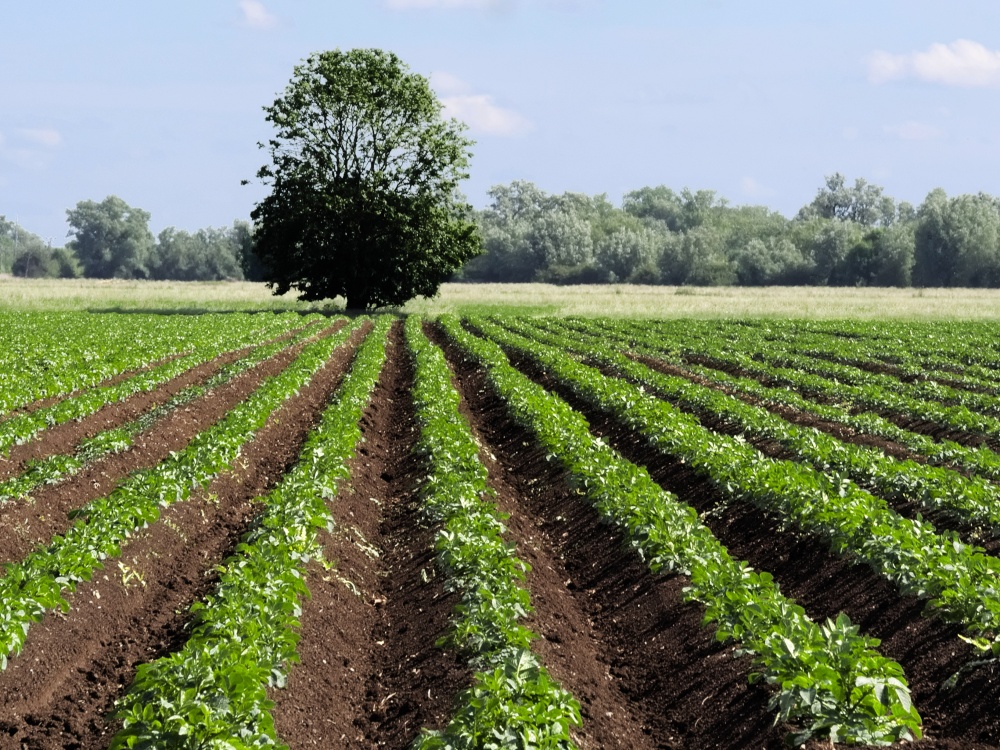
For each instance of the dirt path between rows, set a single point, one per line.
(64, 438)
(824, 585)
(113, 380)
(26, 524)
(371, 675)
(61, 691)
(907, 422)
(646, 672)
(941, 518)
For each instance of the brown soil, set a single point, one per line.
(941, 518)
(791, 414)
(64, 438)
(25, 525)
(622, 640)
(61, 691)
(114, 380)
(907, 422)
(928, 649)
(370, 674)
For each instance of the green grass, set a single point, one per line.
(176, 297)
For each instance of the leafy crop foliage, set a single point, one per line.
(829, 679)
(513, 703)
(213, 692)
(36, 585)
(957, 579)
(118, 439)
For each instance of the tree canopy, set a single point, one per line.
(111, 238)
(364, 176)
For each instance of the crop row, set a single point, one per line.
(731, 354)
(971, 499)
(213, 692)
(978, 460)
(22, 427)
(513, 696)
(37, 584)
(43, 355)
(957, 579)
(58, 467)
(829, 678)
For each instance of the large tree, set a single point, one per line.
(111, 238)
(364, 178)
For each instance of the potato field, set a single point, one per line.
(234, 530)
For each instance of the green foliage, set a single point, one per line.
(513, 702)
(36, 584)
(118, 439)
(364, 179)
(111, 239)
(207, 255)
(80, 364)
(829, 679)
(213, 692)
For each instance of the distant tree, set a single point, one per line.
(207, 255)
(364, 178)
(241, 235)
(621, 254)
(35, 261)
(957, 241)
(110, 239)
(863, 204)
(771, 262)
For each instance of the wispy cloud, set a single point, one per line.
(962, 63)
(256, 16)
(754, 189)
(47, 137)
(914, 131)
(481, 115)
(478, 111)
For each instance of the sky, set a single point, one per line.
(161, 103)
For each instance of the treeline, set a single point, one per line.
(849, 235)
(111, 239)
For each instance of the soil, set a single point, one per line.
(941, 518)
(928, 649)
(907, 422)
(26, 524)
(624, 641)
(64, 438)
(371, 675)
(60, 691)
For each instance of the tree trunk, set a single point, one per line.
(358, 301)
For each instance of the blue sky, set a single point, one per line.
(160, 103)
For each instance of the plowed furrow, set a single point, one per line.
(61, 690)
(370, 673)
(646, 672)
(929, 650)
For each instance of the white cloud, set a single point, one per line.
(47, 137)
(962, 63)
(478, 111)
(483, 116)
(755, 189)
(256, 15)
(914, 131)
(448, 83)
